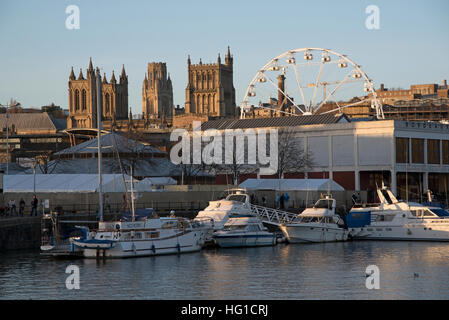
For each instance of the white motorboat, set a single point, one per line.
(392, 219)
(218, 212)
(317, 224)
(146, 237)
(244, 231)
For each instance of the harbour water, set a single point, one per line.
(408, 270)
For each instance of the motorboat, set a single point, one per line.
(218, 212)
(244, 231)
(317, 224)
(146, 236)
(392, 219)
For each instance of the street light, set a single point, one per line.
(12, 104)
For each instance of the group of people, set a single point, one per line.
(281, 200)
(11, 208)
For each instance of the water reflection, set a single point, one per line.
(408, 270)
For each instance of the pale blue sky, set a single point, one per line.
(37, 51)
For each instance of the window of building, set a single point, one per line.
(77, 99)
(417, 150)
(83, 100)
(402, 150)
(445, 147)
(433, 151)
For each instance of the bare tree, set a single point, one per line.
(291, 154)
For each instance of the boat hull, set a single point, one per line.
(249, 240)
(296, 233)
(187, 242)
(424, 232)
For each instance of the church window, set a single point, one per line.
(83, 99)
(77, 100)
(106, 105)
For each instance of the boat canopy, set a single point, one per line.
(139, 214)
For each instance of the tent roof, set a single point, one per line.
(292, 184)
(124, 145)
(71, 183)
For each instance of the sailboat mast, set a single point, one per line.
(132, 195)
(99, 114)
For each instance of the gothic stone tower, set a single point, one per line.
(157, 92)
(210, 89)
(83, 98)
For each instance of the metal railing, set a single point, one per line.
(274, 216)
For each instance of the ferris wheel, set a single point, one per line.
(310, 81)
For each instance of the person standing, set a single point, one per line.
(21, 207)
(281, 200)
(12, 207)
(34, 204)
(107, 204)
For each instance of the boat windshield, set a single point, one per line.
(440, 212)
(323, 204)
(237, 197)
(235, 227)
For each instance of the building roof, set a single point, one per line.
(223, 124)
(113, 139)
(31, 123)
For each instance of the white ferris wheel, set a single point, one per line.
(310, 81)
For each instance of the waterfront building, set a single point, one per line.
(31, 135)
(411, 157)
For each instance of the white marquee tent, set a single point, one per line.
(292, 184)
(77, 183)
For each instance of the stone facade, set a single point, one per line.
(210, 89)
(83, 98)
(157, 92)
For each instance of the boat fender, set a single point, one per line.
(178, 247)
(153, 248)
(117, 227)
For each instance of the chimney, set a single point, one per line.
(444, 83)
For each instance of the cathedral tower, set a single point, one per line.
(157, 92)
(210, 89)
(83, 98)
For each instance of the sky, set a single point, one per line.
(37, 51)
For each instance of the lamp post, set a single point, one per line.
(14, 104)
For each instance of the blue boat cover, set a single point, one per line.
(358, 219)
(139, 214)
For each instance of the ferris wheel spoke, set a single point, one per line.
(276, 110)
(284, 94)
(300, 86)
(348, 76)
(348, 105)
(317, 82)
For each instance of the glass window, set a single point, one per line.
(418, 150)
(433, 151)
(445, 154)
(402, 150)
